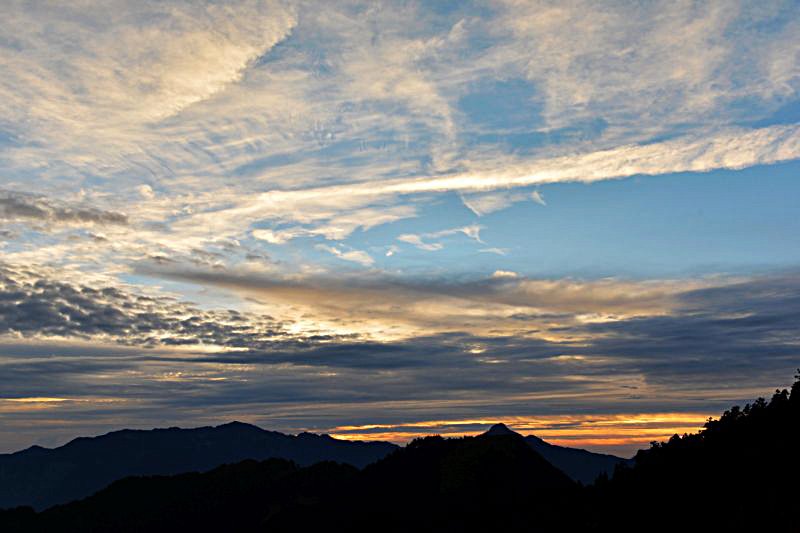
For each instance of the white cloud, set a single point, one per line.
(538, 197)
(497, 251)
(473, 232)
(338, 226)
(483, 204)
(146, 191)
(416, 240)
(274, 237)
(355, 256)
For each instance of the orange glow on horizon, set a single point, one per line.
(597, 430)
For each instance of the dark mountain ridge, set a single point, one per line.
(41, 477)
(431, 484)
(739, 473)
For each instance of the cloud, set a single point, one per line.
(276, 237)
(34, 306)
(338, 227)
(497, 251)
(157, 61)
(416, 240)
(472, 231)
(15, 206)
(146, 191)
(382, 307)
(679, 62)
(355, 256)
(483, 204)
(732, 149)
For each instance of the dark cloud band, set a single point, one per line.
(16, 206)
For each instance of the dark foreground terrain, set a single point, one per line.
(740, 473)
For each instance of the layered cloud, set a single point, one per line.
(583, 353)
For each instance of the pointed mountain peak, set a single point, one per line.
(500, 429)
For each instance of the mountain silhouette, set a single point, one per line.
(41, 477)
(431, 484)
(580, 465)
(739, 473)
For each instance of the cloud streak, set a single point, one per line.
(732, 150)
(15, 206)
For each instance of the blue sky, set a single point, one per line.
(207, 208)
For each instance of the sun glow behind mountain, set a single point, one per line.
(616, 434)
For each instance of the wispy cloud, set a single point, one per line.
(421, 241)
(356, 256)
(733, 149)
(675, 64)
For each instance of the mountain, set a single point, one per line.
(431, 484)
(580, 465)
(739, 473)
(41, 477)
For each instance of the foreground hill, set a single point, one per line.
(740, 473)
(41, 477)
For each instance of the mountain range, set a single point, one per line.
(739, 473)
(431, 484)
(41, 477)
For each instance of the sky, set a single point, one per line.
(390, 219)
